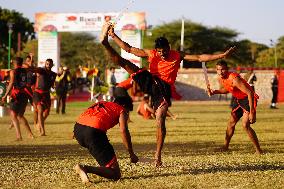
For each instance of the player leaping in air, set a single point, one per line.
(163, 64)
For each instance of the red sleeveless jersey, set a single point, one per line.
(228, 85)
(165, 69)
(101, 115)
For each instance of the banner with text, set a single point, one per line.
(68, 22)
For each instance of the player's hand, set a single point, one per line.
(229, 51)
(3, 99)
(210, 92)
(133, 158)
(111, 30)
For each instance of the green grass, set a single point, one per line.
(190, 155)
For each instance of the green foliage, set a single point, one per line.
(198, 39)
(83, 49)
(100, 89)
(266, 57)
(20, 25)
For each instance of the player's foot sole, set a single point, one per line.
(83, 175)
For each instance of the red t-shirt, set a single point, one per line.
(145, 113)
(228, 85)
(165, 69)
(101, 115)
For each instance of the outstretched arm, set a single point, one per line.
(116, 58)
(221, 90)
(126, 138)
(237, 82)
(208, 57)
(125, 46)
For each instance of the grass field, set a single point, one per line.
(190, 155)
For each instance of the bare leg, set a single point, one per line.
(161, 132)
(26, 125)
(41, 120)
(11, 125)
(112, 172)
(46, 114)
(170, 114)
(16, 124)
(36, 119)
(251, 133)
(230, 131)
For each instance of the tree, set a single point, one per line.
(266, 57)
(20, 25)
(83, 49)
(198, 39)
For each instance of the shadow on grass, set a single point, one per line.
(37, 151)
(239, 168)
(217, 169)
(172, 149)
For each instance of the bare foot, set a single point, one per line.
(83, 175)
(19, 139)
(259, 152)
(174, 117)
(222, 149)
(11, 126)
(158, 163)
(31, 136)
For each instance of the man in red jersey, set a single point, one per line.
(244, 104)
(90, 132)
(164, 64)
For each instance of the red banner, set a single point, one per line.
(281, 87)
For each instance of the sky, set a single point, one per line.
(257, 20)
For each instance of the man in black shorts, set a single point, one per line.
(45, 79)
(19, 97)
(90, 132)
(244, 104)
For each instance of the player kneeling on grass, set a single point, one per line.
(244, 104)
(90, 132)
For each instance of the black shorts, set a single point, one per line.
(96, 142)
(42, 99)
(121, 96)
(158, 89)
(239, 106)
(19, 103)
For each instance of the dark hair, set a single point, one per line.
(222, 63)
(49, 60)
(146, 97)
(161, 42)
(19, 61)
(125, 102)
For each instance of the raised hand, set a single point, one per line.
(229, 51)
